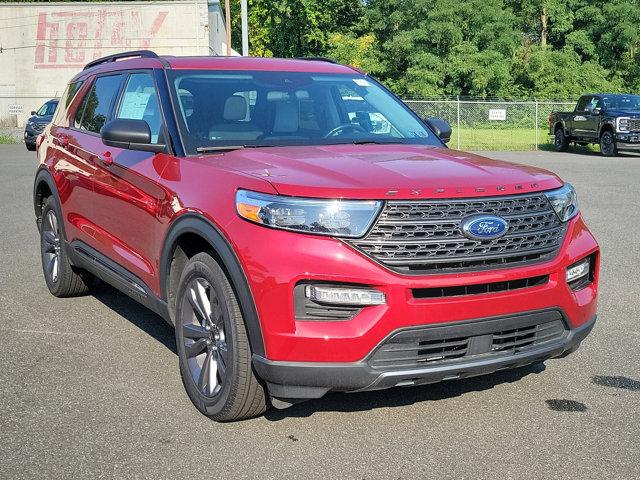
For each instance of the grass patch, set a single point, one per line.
(498, 138)
(8, 139)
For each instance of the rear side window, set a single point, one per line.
(66, 99)
(140, 102)
(96, 106)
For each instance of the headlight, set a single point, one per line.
(340, 218)
(564, 201)
(623, 124)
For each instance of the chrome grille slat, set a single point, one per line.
(457, 239)
(425, 235)
(488, 257)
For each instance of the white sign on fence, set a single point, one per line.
(498, 114)
(15, 109)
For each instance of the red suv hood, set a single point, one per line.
(384, 171)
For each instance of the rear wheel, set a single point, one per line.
(213, 347)
(60, 276)
(560, 143)
(608, 146)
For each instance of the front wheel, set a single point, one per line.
(213, 347)
(608, 146)
(560, 143)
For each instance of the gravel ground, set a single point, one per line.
(89, 387)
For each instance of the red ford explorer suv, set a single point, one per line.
(304, 231)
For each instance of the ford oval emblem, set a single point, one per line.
(484, 227)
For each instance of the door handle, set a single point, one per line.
(106, 158)
(62, 141)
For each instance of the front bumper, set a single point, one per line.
(303, 380)
(30, 135)
(284, 259)
(628, 141)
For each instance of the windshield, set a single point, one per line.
(622, 102)
(47, 109)
(229, 108)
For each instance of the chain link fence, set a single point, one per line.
(480, 124)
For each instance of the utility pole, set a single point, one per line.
(245, 28)
(227, 17)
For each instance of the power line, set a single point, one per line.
(95, 7)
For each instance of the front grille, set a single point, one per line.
(424, 236)
(518, 338)
(480, 288)
(634, 125)
(39, 127)
(465, 341)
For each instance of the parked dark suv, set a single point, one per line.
(305, 231)
(36, 123)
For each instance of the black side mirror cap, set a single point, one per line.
(33, 112)
(130, 134)
(440, 127)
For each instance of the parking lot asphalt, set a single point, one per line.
(89, 387)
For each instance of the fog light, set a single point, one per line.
(578, 270)
(344, 295)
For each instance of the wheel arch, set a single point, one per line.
(44, 186)
(558, 125)
(606, 127)
(192, 233)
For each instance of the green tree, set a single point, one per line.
(294, 28)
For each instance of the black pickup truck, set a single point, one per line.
(610, 120)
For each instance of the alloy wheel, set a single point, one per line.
(51, 242)
(204, 338)
(607, 145)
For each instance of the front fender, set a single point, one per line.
(197, 224)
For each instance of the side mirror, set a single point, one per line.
(33, 112)
(130, 134)
(440, 127)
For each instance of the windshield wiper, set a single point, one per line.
(228, 148)
(356, 141)
(219, 148)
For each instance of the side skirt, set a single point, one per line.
(88, 258)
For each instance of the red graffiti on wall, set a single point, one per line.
(71, 39)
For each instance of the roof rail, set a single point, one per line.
(118, 56)
(317, 59)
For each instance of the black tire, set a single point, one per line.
(31, 148)
(560, 141)
(213, 347)
(608, 146)
(62, 280)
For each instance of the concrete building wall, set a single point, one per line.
(42, 45)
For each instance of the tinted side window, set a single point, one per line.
(140, 102)
(98, 102)
(582, 104)
(65, 101)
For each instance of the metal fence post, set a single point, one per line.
(536, 125)
(458, 122)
